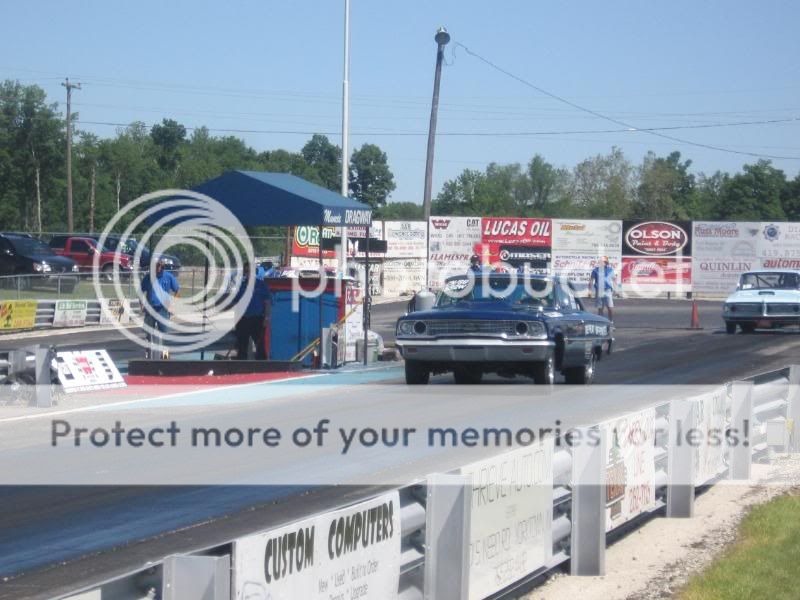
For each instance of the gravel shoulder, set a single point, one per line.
(656, 560)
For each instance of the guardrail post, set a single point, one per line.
(197, 577)
(680, 461)
(44, 389)
(741, 449)
(447, 519)
(793, 409)
(588, 541)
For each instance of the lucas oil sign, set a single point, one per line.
(348, 554)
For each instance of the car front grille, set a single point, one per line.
(783, 309)
(748, 309)
(470, 327)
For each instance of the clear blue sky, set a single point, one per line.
(273, 66)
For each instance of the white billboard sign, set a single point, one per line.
(779, 245)
(70, 313)
(452, 243)
(579, 236)
(630, 467)
(405, 239)
(511, 519)
(348, 553)
(721, 252)
(403, 276)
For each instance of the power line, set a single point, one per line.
(626, 129)
(652, 131)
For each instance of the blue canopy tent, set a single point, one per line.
(259, 198)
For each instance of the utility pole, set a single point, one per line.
(441, 38)
(345, 133)
(70, 87)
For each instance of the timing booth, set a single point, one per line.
(259, 198)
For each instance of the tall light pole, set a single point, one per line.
(70, 87)
(345, 132)
(441, 38)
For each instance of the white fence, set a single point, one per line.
(436, 534)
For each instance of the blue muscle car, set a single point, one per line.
(528, 325)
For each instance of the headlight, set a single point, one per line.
(420, 327)
(730, 307)
(75, 269)
(405, 327)
(41, 267)
(166, 261)
(533, 329)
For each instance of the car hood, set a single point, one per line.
(54, 260)
(792, 296)
(489, 311)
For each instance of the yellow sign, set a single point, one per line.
(17, 314)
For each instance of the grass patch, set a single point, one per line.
(763, 563)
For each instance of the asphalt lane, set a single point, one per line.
(78, 526)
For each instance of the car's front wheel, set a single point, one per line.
(583, 375)
(417, 373)
(730, 328)
(544, 372)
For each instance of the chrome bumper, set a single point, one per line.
(475, 350)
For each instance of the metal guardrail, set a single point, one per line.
(428, 567)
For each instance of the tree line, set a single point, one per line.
(108, 173)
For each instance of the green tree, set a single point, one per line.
(545, 183)
(665, 188)
(791, 199)
(168, 137)
(326, 159)
(755, 194)
(400, 211)
(371, 180)
(603, 186)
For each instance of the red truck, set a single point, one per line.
(83, 251)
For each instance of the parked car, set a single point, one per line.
(83, 251)
(129, 247)
(536, 329)
(763, 299)
(23, 254)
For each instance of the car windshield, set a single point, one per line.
(534, 293)
(769, 281)
(24, 245)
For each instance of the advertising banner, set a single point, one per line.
(779, 245)
(18, 314)
(630, 467)
(511, 521)
(721, 251)
(115, 310)
(375, 276)
(709, 419)
(452, 243)
(375, 231)
(87, 370)
(348, 553)
(403, 276)
(354, 321)
(578, 246)
(306, 241)
(517, 241)
(405, 239)
(70, 313)
(656, 256)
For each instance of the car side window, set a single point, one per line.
(565, 299)
(79, 246)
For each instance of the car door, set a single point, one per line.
(577, 345)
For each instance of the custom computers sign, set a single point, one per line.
(353, 553)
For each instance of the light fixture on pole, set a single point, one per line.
(441, 38)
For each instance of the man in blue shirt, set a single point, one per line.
(601, 282)
(254, 319)
(157, 292)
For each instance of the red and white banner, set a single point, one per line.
(666, 274)
(452, 243)
(518, 242)
(656, 257)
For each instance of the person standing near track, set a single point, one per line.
(158, 290)
(601, 282)
(253, 323)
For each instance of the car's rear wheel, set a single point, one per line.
(730, 328)
(544, 372)
(747, 327)
(583, 375)
(467, 375)
(417, 373)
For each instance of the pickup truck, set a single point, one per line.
(83, 251)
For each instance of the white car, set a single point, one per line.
(763, 299)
